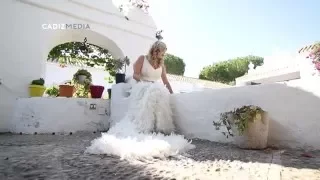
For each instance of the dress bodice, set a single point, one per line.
(149, 73)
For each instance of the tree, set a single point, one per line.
(228, 71)
(174, 64)
(83, 54)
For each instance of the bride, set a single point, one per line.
(147, 130)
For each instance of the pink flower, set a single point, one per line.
(316, 51)
(317, 65)
(315, 55)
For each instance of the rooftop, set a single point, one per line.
(307, 48)
(205, 83)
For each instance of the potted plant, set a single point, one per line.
(82, 80)
(82, 90)
(53, 91)
(37, 88)
(119, 64)
(66, 90)
(96, 91)
(81, 75)
(249, 125)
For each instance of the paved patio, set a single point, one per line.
(62, 157)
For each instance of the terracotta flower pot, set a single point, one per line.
(96, 91)
(66, 90)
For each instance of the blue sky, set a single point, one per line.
(206, 31)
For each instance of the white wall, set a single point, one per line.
(26, 45)
(59, 115)
(292, 107)
(271, 78)
(294, 111)
(184, 87)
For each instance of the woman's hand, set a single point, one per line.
(136, 77)
(165, 79)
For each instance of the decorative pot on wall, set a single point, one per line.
(81, 78)
(120, 78)
(96, 91)
(255, 136)
(36, 90)
(66, 90)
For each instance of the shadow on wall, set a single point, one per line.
(294, 112)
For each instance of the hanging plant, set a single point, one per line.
(82, 73)
(82, 90)
(82, 86)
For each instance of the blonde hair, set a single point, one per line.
(157, 46)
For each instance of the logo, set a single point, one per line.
(65, 26)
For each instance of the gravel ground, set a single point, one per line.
(62, 157)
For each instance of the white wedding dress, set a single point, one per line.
(147, 130)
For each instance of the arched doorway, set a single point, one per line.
(63, 36)
(65, 59)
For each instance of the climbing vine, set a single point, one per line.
(82, 54)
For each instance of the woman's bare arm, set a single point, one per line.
(137, 66)
(165, 79)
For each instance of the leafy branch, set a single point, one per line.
(82, 54)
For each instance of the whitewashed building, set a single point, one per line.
(31, 28)
(27, 41)
(281, 67)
